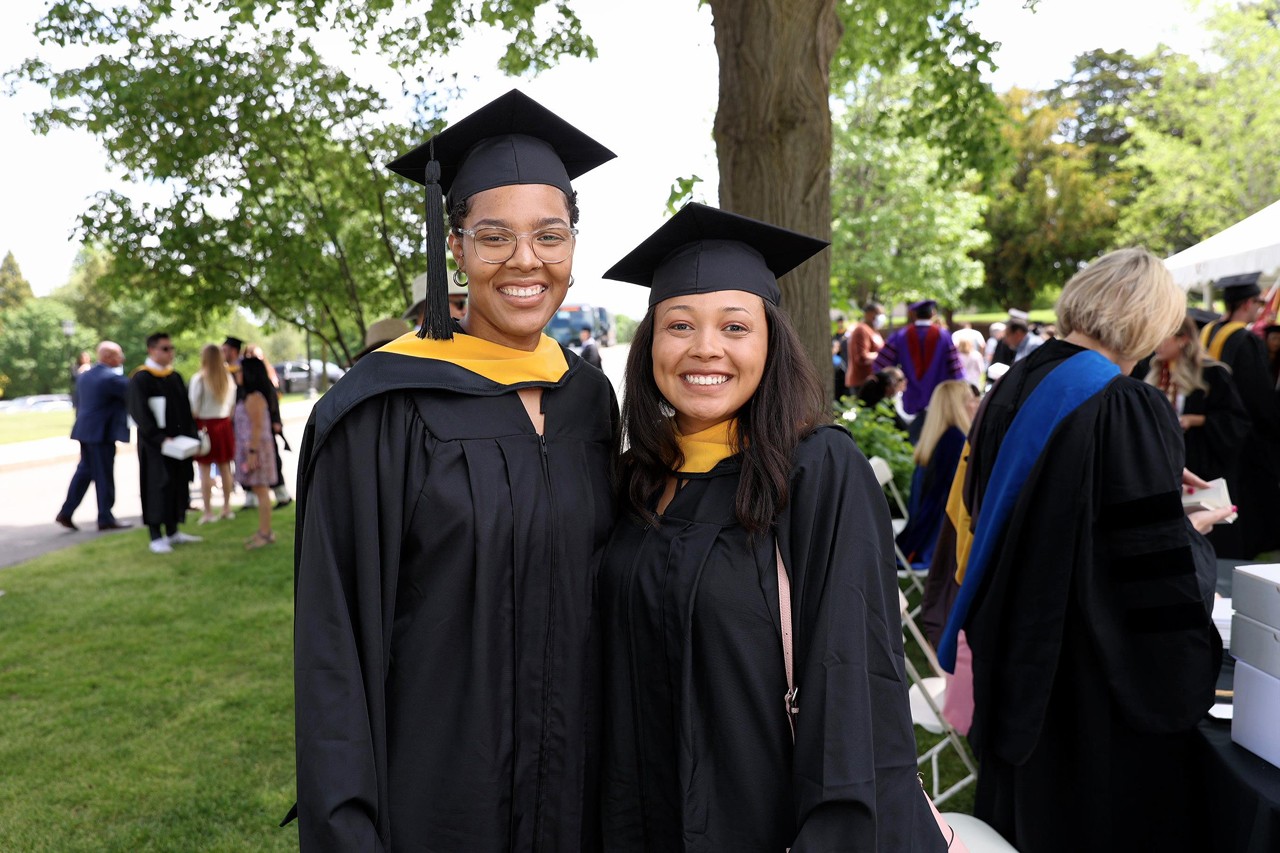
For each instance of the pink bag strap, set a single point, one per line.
(784, 613)
(954, 844)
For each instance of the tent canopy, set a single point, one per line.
(1251, 245)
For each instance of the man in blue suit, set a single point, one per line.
(100, 423)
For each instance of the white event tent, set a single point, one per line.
(1251, 245)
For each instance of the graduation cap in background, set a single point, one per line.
(1201, 317)
(924, 303)
(704, 249)
(1237, 288)
(511, 140)
(235, 343)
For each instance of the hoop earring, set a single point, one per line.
(460, 278)
(571, 279)
(666, 409)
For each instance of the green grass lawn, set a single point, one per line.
(27, 426)
(146, 701)
(1040, 315)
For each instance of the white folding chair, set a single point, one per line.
(884, 476)
(927, 695)
(977, 834)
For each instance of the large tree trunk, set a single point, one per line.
(773, 137)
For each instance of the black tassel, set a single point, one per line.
(437, 324)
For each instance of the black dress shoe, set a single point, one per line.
(65, 521)
(114, 525)
(283, 504)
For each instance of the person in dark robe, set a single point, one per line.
(936, 456)
(1087, 593)
(747, 521)
(1271, 336)
(158, 404)
(454, 497)
(1213, 419)
(1257, 488)
(927, 356)
(880, 395)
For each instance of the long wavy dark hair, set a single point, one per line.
(788, 405)
(254, 377)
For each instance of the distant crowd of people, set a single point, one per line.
(1077, 451)
(225, 424)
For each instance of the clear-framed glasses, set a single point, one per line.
(496, 245)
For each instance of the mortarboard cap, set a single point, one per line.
(1201, 317)
(234, 343)
(511, 140)
(923, 303)
(704, 249)
(1236, 288)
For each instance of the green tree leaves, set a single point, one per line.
(1211, 140)
(14, 289)
(901, 228)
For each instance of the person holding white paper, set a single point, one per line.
(158, 404)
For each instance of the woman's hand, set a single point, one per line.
(1190, 482)
(1204, 520)
(1190, 421)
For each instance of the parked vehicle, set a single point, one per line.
(606, 332)
(568, 322)
(299, 375)
(39, 403)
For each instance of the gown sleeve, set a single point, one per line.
(149, 431)
(1148, 589)
(854, 764)
(1226, 422)
(358, 492)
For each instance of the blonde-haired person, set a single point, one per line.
(213, 397)
(971, 361)
(946, 425)
(1212, 416)
(1086, 593)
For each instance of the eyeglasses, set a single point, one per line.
(498, 245)
(165, 349)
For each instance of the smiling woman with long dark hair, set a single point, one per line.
(746, 519)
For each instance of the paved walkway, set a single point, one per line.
(34, 476)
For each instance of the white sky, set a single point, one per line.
(650, 97)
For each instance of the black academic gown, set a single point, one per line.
(698, 754)
(1093, 652)
(444, 574)
(930, 486)
(163, 479)
(1257, 487)
(1213, 449)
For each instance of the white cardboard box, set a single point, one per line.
(1256, 644)
(1257, 708)
(1255, 590)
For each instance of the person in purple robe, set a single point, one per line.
(925, 352)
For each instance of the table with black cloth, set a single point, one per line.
(1240, 791)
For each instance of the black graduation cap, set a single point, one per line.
(1237, 288)
(234, 343)
(923, 303)
(1202, 317)
(704, 249)
(510, 140)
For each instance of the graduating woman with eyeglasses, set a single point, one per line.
(454, 496)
